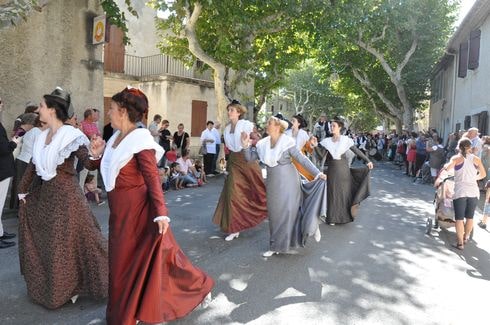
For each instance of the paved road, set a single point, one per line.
(381, 269)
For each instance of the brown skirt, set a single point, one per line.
(242, 203)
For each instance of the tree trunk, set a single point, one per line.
(398, 126)
(408, 119)
(219, 76)
(258, 106)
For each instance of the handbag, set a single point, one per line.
(203, 150)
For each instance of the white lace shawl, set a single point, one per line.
(301, 138)
(114, 159)
(48, 157)
(233, 140)
(270, 156)
(337, 149)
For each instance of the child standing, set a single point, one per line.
(91, 190)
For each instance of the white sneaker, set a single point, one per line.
(232, 236)
(269, 253)
(318, 235)
(331, 224)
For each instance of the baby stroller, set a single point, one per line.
(443, 204)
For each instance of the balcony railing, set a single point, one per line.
(154, 65)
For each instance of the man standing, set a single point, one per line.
(154, 127)
(321, 130)
(89, 127)
(6, 172)
(217, 141)
(208, 139)
(476, 142)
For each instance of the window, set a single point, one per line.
(437, 87)
(474, 54)
(467, 122)
(463, 59)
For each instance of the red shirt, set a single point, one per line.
(89, 128)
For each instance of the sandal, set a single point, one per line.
(458, 246)
(482, 225)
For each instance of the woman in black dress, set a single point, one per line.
(346, 187)
(181, 139)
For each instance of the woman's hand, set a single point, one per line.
(323, 176)
(370, 165)
(16, 140)
(97, 146)
(245, 137)
(162, 226)
(313, 142)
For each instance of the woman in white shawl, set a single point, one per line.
(238, 207)
(304, 142)
(293, 207)
(346, 187)
(61, 249)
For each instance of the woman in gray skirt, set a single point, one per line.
(293, 206)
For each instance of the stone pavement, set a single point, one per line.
(380, 269)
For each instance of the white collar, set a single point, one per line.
(337, 149)
(47, 158)
(270, 156)
(137, 140)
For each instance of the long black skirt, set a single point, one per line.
(346, 187)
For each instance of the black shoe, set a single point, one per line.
(7, 235)
(5, 244)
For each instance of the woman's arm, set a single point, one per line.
(305, 162)
(26, 180)
(481, 169)
(84, 157)
(361, 155)
(148, 166)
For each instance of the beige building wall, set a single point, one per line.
(52, 48)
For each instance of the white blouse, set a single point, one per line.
(301, 138)
(233, 140)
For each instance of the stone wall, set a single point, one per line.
(52, 48)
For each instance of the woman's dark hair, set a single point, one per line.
(339, 122)
(134, 101)
(89, 178)
(60, 107)
(301, 121)
(464, 144)
(242, 110)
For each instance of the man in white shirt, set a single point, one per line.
(476, 142)
(208, 139)
(217, 141)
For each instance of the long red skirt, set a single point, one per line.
(150, 278)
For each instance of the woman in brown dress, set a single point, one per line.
(150, 278)
(242, 203)
(61, 249)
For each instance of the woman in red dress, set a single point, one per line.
(150, 278)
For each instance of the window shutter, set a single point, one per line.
(483, 122)
(474, 57)
(463, 59)
(467, 122)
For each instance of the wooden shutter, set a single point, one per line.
(463, 59)
(474, 54)
(483, 122)
(199, 115)
(467, 122)
(114, 51)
